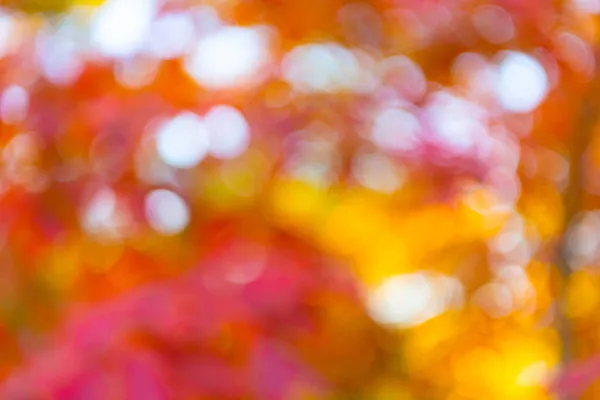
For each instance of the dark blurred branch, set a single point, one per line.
(572, 200)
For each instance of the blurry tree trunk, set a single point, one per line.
(581, 137)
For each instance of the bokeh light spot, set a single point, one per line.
(14, 103)
(229, 56)
(325, 67)
(396, 129)
(228, 130)
(167, 213)
(120, 27)
(377, 172)
(522, 83)
(410, 299)
(183, 141)
(171, 35)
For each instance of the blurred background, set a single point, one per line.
(299, 199)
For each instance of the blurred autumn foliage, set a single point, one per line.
(310, 199)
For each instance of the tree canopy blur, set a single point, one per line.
(299, 199)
